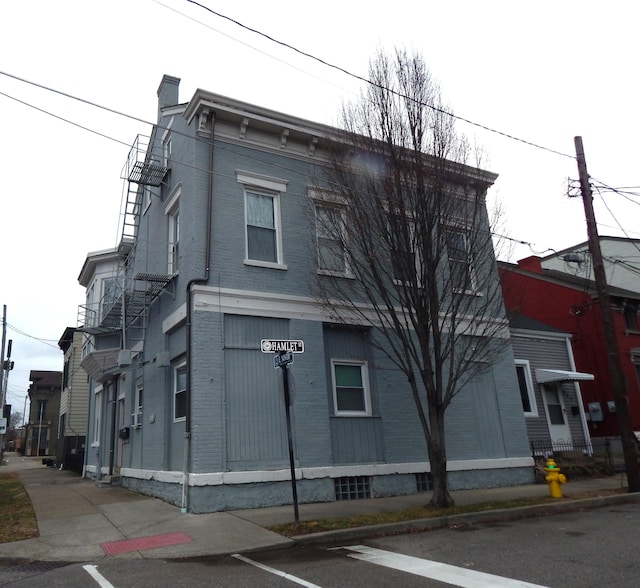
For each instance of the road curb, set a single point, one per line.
(429, 524)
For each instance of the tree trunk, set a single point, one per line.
(438, 461)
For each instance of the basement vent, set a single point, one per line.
(353, 488)
(423, 482)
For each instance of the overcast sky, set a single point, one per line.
(542, 72)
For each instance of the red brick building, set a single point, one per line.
(570, 303)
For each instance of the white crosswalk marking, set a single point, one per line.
(97, 576)
(275, 571)
(433, 569)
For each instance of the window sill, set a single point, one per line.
(267, 264)
(335, 274)
(476, 293)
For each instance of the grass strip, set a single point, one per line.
(421, 512)
(18, 521)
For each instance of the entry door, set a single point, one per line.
(556, 413)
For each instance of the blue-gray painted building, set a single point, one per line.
(217, 254)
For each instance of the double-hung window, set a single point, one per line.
(330, 235)
(137, 407)
(404, 260)
(180, 393)
(166, 145)
(460, 262)
(525, 384)
(172, 210)
(263, 229)
(351, 395)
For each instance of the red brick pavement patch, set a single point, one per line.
(140, 543)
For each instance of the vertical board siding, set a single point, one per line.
(353, 439)
(356, 440)
(256, 425)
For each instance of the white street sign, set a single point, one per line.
(282, 346)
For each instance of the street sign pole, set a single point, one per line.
(287, 402)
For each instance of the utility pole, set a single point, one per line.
(616, 378)
(2, 374)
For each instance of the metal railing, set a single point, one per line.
(598, 456)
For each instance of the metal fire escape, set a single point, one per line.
(125, 306)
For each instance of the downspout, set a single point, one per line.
(114, 424)
(184, 506)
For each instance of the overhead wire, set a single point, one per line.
(380, 86)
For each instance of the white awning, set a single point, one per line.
(560, 376)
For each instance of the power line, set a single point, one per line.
(39, 339)
(367, 81)
(64, 119)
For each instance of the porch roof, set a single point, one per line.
(545, 375)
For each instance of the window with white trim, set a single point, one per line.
(167, 146)
(460, 261)
(137, 407)
(525, 384)
(172, 210)
(351, 394)
(180, 393)
(98, 396)
(404, 259)
(263, 229)
(174, 241)
(330, 236)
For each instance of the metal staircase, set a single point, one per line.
(125, 306)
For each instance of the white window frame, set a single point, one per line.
(526, 367)
(469, 259)
(340, 209)
(98, 395)
(172, 211)
(416, 257)
(167, 145)
(271, 187)
(138, 399)
(181, 366)
(364, 372)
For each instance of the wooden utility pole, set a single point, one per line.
(616, 378)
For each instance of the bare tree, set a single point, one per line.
(404, 243)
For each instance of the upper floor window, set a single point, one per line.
(460, 262)
(404, 260)
(172, 210)
(167, 145)
(263, 230)
(525, 384)
(109, 295)
(351, 395)
(630, 312)
(330, 235)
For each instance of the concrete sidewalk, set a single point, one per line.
(79, 521)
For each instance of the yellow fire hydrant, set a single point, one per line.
(554, 478)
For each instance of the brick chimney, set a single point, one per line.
(167, 92)
(531, 264)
